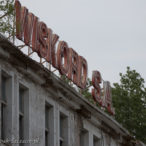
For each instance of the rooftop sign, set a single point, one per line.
(43, 41)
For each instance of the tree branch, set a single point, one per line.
(21, 46)
(9, 36)
(4, 15)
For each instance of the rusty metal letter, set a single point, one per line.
(63, 57)
(28, 29)
(43, 35)
(35, 35)
(82, 72)
(18, 18)
(96, 92)
(73, 66)
(51, 41)
(108, 97)
(55, 38)
(21, 19)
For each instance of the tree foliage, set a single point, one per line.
(7, 18)
(129, 100)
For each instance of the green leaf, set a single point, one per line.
(129, 100)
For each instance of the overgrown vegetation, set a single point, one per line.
(129, 100)
(7, 19)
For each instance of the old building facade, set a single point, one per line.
(42, 110)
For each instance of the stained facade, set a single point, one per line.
(38, 108)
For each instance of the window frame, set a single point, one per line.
(63, 133)
(23, 115)
(49, 127)
(5, 104)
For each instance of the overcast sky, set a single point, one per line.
(110, 34)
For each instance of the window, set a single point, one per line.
(95, 141)
(3, 106)
(63, 141)
(3, 88)
(46, 125)
(84, 138)
(23, 114)
(49, 124)
(6, 93)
